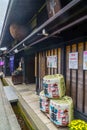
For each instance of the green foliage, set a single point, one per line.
(4, 82)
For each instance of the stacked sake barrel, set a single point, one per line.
(54, 101)
(44, 102)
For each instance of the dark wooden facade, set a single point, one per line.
(75, 79)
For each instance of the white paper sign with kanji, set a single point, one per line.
(73, 60)
(52, 61)
(85, 60)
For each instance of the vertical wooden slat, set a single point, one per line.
(73, 80)
(83, 109)
(46, 63)
(37, 77)
(55, 53)
(42, 65)
(63, 60)
(85, 101)
(51, 53)
(76, 80)
(39, 71)
(80, 78)
(48, 54)
(45, 55)
(70, 74)
(59, 60)
(36, 65)
(67, 71)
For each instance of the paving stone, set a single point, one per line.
(11, 94)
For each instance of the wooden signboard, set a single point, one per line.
(53, 6)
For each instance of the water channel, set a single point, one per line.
(20, 115)
(23, 124)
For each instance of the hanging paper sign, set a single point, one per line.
(73, 60)
(52, 61)
(85, 60)
(11, 63)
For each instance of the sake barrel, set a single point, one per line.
(54, 86)
(61, 111)
(18, 32)
(44, 102)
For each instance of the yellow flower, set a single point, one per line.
(78, 124)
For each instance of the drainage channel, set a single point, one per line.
(15, 104)
(23, 124)
(13, 99)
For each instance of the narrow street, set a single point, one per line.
(43, 64)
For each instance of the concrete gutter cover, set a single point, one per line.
(10, 94)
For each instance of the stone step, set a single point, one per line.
(10, 94)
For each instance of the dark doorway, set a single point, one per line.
(30, 69)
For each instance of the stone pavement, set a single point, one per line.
(29, 101)
(8, 119)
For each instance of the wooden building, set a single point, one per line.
(53, 29)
